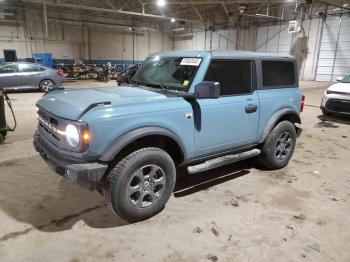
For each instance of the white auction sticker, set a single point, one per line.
(191, 61)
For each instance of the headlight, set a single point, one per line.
(72, 135)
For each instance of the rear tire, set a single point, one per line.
(279, 146)
(139, 186)
(46, 85)
(1, 139)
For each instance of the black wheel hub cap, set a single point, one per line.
(146, 186)
(283, 145)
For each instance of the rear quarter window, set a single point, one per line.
(278, 74)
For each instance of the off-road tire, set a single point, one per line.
(268, 157)
(117, 183)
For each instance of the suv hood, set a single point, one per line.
(71, 103)
(340, 87)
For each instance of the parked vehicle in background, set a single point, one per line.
(126, 78)
(24, 75)
(336, 99)
(185, 109)
(105, 73)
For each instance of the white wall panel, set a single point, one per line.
(334, 55)
(312, 30)
(273, 39)
(201, 40)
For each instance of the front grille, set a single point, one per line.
(49, 124)
(339, 106)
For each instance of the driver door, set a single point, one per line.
(232, 120)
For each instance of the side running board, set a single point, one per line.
(222, 161)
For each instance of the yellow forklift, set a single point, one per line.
(4, 128)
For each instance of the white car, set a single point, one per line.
(336, 99)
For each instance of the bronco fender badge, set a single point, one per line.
(189, 115)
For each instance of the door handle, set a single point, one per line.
(251, 108)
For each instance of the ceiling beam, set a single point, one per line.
(111, 4)
(227, 2)
(228, 15)
(99, 9)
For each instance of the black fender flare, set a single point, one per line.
(275, 118)
(122, 141)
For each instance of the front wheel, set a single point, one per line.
(279, 146)
(139, 186)
(46, 85)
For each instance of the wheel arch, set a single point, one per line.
(145, 137)
(281, 115)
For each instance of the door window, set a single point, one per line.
(235, 77)
(8, 69)
(278, 73)
(28, 68)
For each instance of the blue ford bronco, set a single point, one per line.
(190, 109)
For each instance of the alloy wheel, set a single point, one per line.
(47, 85)
(283, 145)
(146, 186)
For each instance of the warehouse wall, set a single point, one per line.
(310, 42)
(205, 40)
(322, 48)
(334, 53)
(304, 45)
(274, 39)
(80, 42)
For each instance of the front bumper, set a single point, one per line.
(336, 106)
(74, 167)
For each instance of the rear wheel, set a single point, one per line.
(1, 139)
(46, 85)
(139, 186)
(279, 146)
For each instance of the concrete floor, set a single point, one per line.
(234, 213)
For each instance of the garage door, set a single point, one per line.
(274, 39)
(334, 56)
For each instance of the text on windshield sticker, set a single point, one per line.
(191, 61)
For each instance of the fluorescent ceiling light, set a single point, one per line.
(161, 3)
(179, 29)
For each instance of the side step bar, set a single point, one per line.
(221, 161)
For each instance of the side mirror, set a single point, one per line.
(207, 89)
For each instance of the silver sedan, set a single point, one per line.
(22, 75)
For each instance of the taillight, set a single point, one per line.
(302, 104)
(60, 72)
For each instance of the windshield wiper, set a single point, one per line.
(169, 91)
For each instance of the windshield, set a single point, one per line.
(346, 79)
(176, 73)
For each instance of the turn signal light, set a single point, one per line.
(86, 136)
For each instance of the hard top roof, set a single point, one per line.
(224, 54)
